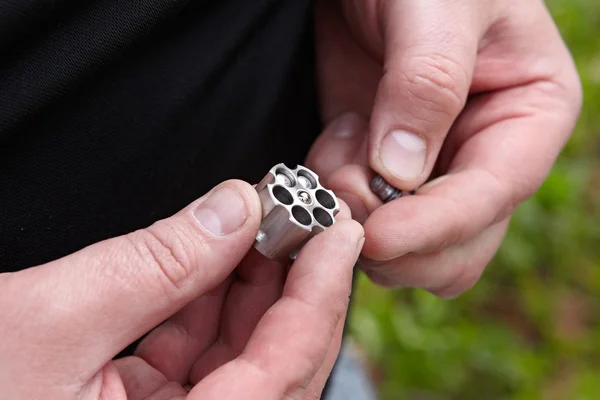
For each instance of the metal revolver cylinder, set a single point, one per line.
(295, 207)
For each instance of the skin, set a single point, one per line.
(491, 91)
(233, 324)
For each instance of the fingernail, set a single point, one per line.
(346, 126)
(403, 154)
(222, 213)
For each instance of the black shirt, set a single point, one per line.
(114, 114)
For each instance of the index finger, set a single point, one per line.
(291, 341)
(493, 171)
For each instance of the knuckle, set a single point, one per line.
(438, 83)
(384, 274)
(574, 89)
(330, 314)
(565, 89)
(567, 84)
(168, 250)
(455, 232)
(339, 307)
(468, 279)
(460, 280)
(508, 194)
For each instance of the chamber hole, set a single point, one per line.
(301, 215)
(283, 195)
(306, 179)
(325, 199)
(323, 217)
(285, 177)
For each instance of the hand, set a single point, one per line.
(249, 333)
(476, 98)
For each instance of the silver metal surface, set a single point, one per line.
(295, 208)
(385, 191)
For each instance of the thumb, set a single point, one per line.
(93, 303)
(430, 51)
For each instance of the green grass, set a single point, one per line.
(530, 329)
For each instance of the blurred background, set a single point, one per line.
(530, 329)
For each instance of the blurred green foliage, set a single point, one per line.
(530, 329)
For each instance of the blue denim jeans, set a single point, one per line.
(348, 380)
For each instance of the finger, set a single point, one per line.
(351, 183)
(105, 384)
(202, 336)
(214, 329)
(98, 300)
(258, 285)
(338, 145)
(316, 386)
(345, 212)
(291, 340)
(347, 76)
(140, 379)
(247, 304)
(171, 391)
(335, 157)
(430, 52)
(446, 273)
(174, 346)
(495, 169)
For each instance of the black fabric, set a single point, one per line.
(114, 114)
